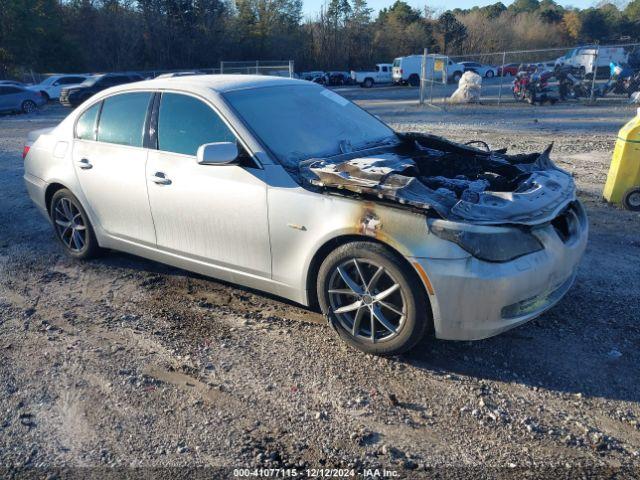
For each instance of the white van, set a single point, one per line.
(583, 58)
(407, 70)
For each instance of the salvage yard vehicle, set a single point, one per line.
(509, 69)
(51, 86)
(337, 79)
(486, 71)
(588, 58)
(19, 99)
(392, 234)
(407, 70)
(74, 96)
(380, 75)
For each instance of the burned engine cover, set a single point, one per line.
(456, 181)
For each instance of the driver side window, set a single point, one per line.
(185, 123)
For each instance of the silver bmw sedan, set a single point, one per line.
(284, 186)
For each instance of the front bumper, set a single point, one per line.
(474, 299)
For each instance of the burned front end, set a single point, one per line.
(450, 180)
(505, 233)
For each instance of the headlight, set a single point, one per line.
(493, 244)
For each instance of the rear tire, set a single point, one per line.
(414, 80)
(368, 83)
(29, 106)
(72, 226)
(373, 298)
(489, 74)
(456, 77)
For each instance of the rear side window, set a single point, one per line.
(86, 126)
(185, 123)
(70, 80)
(122, 119)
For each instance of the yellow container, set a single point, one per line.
(624, 172)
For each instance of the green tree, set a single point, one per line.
(493, 10)
(451, 31)
(594, 25)
(520, 6)
(633, 11)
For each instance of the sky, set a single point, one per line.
(312, 7)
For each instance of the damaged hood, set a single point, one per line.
(456, 181)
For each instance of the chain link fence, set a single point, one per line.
(259, 67)
(279, 68)
(589, 67)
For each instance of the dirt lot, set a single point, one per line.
(122, 362)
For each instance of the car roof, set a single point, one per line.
(219, 82)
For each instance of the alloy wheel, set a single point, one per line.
(70, 225)
(367, 300)
(28, 106)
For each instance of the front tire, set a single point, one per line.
(72, 226)
(368, 83)
(489, 74)
(373, 298)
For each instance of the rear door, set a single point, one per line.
(11, 98)
(4, 98)
(110, 159)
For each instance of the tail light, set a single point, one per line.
(25, 151)
(401, 71)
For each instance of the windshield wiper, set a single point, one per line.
(377, 143)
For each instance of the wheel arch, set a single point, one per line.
(50, 191)
(330, 245)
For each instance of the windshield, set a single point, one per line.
(48, 80)
(306, 121)
(90, 81)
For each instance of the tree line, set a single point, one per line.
(118, 35)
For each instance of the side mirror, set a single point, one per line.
(220, 153)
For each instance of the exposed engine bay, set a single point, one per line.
(456, 181)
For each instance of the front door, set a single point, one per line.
(216, 214)
(109, 160)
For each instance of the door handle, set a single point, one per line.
(160, 178)
(84, 164)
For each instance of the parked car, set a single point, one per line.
(392, 234)
(180, 74)
(74, 96)
(51, 87)
(407, 70)
(510, 69)
(19, 99)
(583, 59)
(337, 79)
(485, 71)
(13, 83)
(379, 75)
(311, 75)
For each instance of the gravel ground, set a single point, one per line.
(122, 362)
